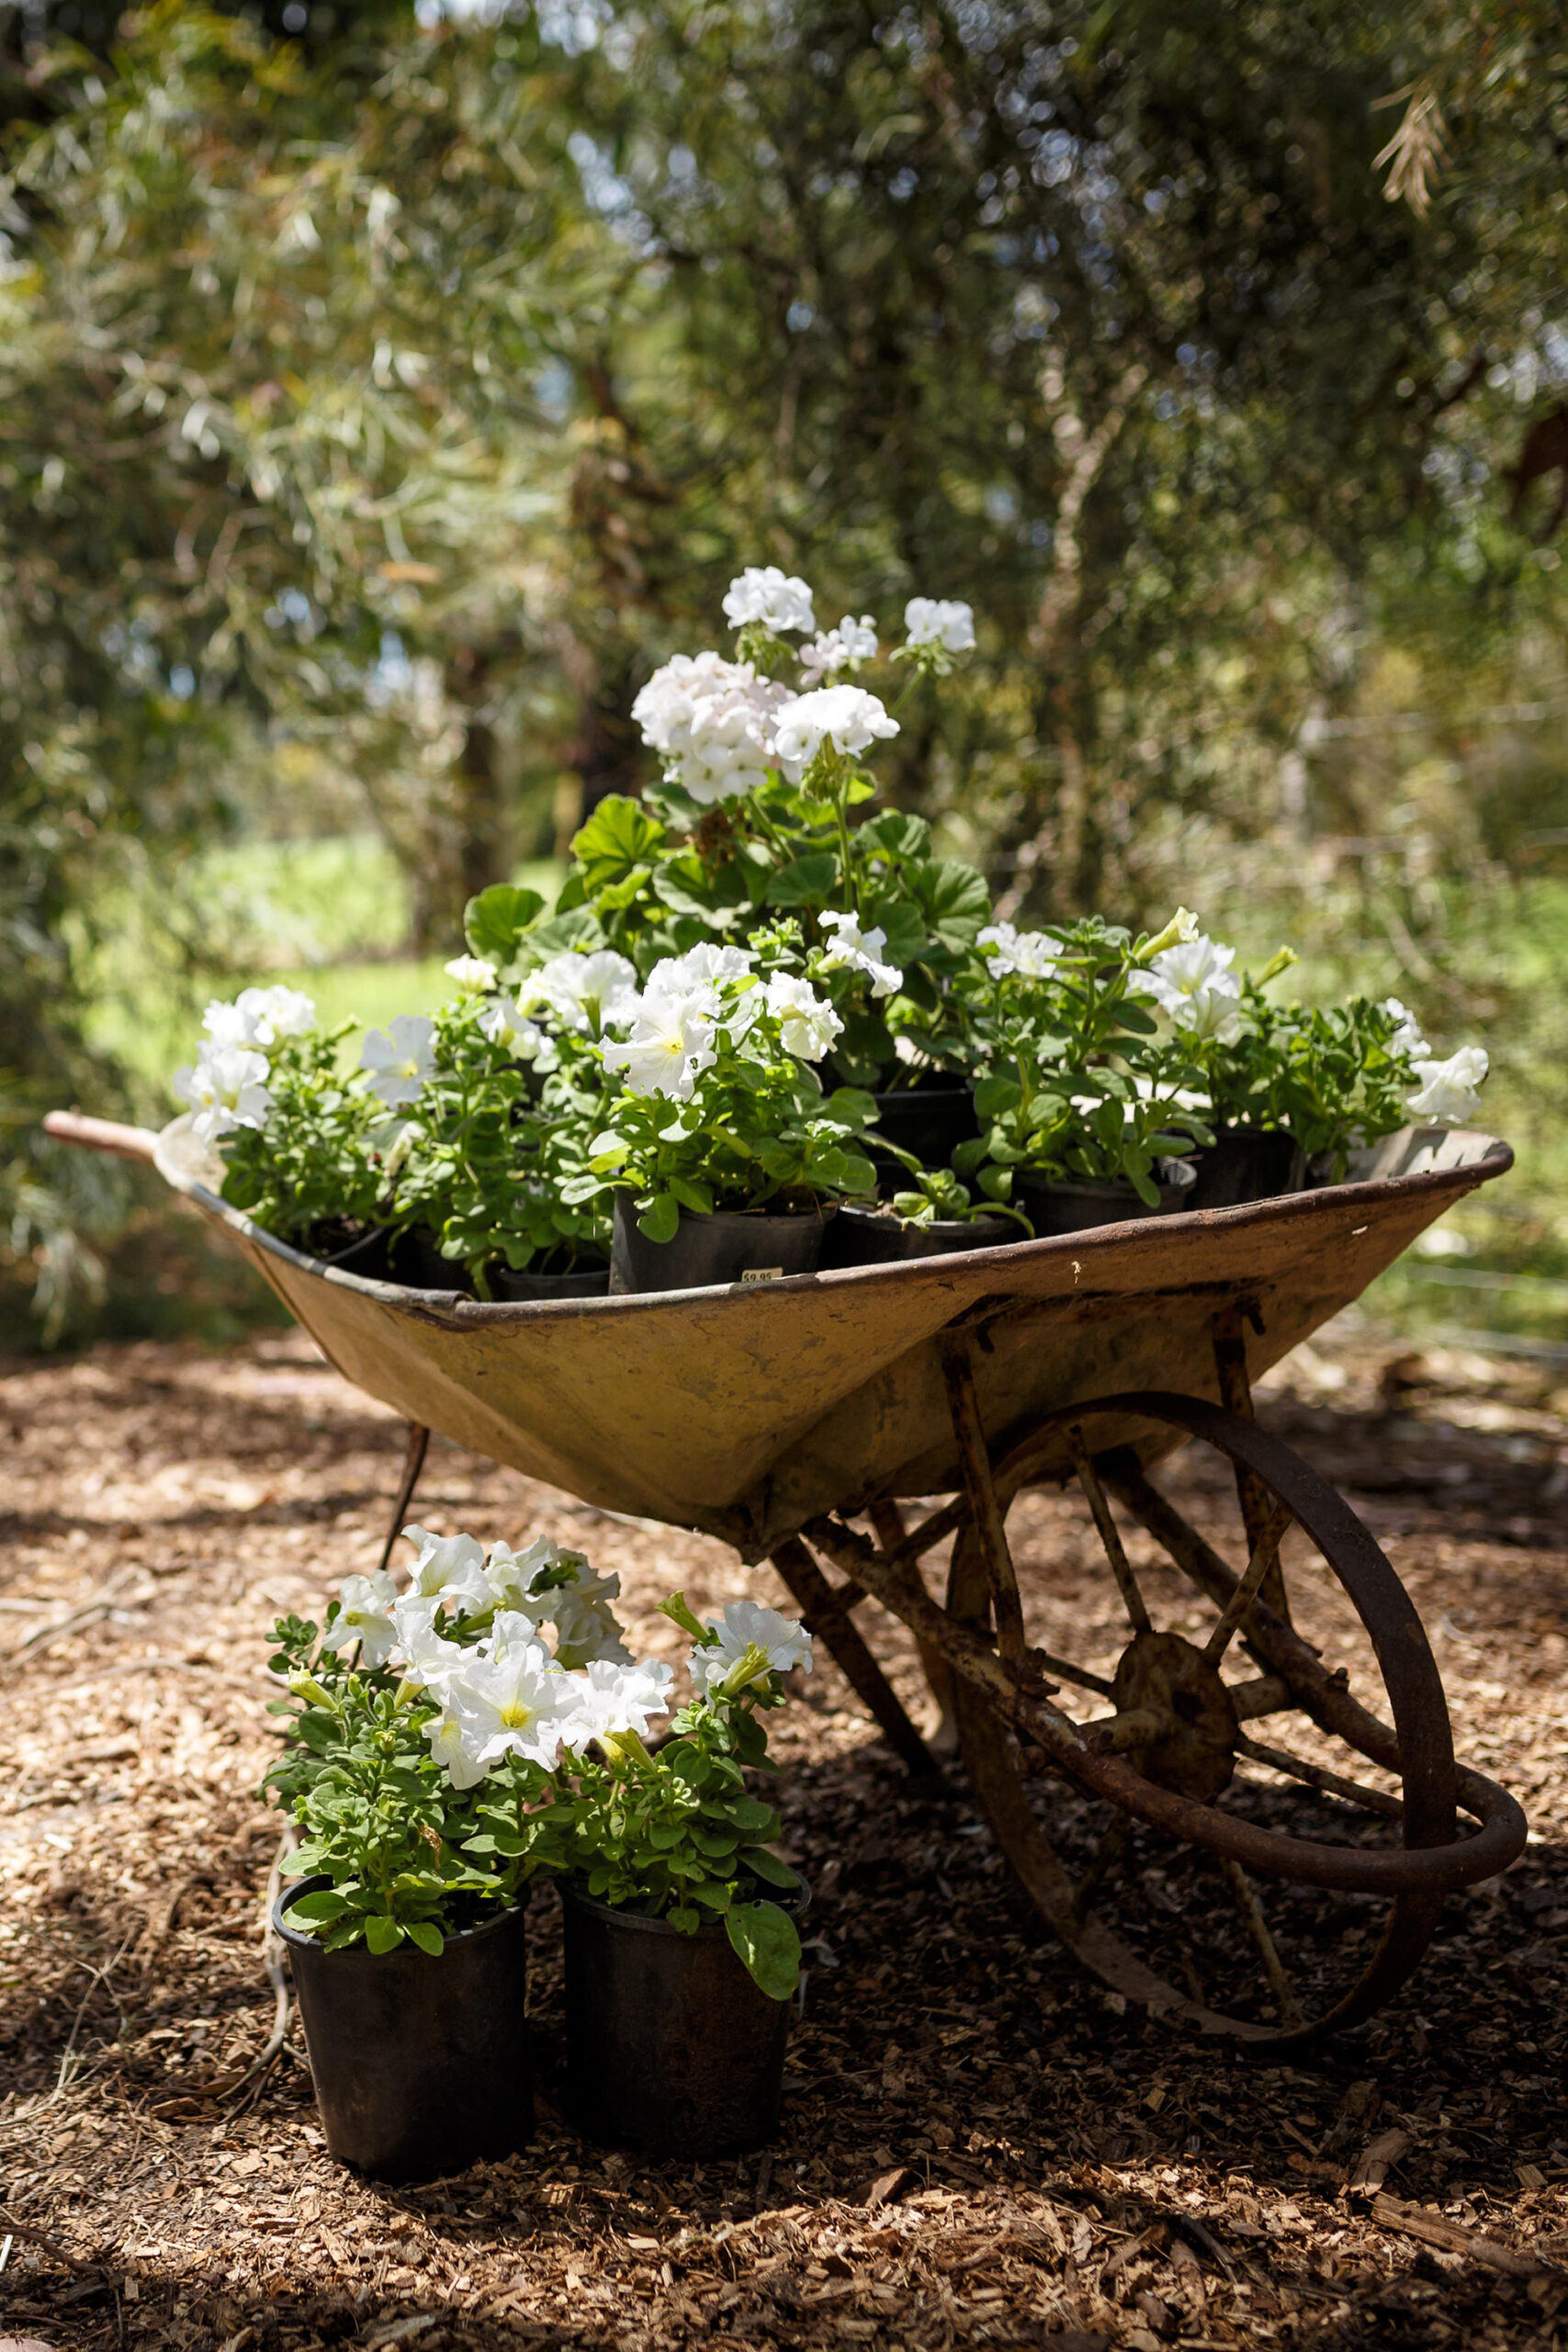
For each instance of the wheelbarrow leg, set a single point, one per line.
(417, 1447)
(888, 1521)
(828, 1621)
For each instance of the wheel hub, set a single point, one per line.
(1193, 1753)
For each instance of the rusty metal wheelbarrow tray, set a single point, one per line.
(747, 1411)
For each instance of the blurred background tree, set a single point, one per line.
(383, 397)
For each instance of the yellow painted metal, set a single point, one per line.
(748, 1410)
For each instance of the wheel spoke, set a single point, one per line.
(1318, 1776)
(1284, 1992)
(1109, 1535)
(1266, 1694)
(987, 1517)
(1266, 1551)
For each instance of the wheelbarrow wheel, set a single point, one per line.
(1168, 1741)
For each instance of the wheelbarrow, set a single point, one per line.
(1129, 1792)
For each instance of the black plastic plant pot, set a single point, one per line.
(366, 1252)
(730, 1246)
(670, 2047)
(1054, 1208)
(584, 1281)
(930, 1119)
(1246, 1164)
(418, 1262)
(421, 2064)
(865, 1237)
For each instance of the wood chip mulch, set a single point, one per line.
(979, 2144)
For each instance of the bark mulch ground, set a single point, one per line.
(979, 2145)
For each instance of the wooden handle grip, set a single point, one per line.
(100, 1135)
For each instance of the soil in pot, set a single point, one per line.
(421, 2064)
(866, 1236)
(727, 1247)
(1074, 1208)
(930, 1119)
(670, 2047)
(585, 1280)
(1246, 1164)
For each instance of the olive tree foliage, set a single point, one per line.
(1100, 315)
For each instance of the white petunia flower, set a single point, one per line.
(450, 1569)
(363, 1617)
(613, 1699)
(449, 1746)
(517, 1704)
(671, 1043)
(584, 992)
(777, 599)
(259, 1017)
(846, 717)
(1446, 1095)
(935, 621)
(746, 1626)
(843, 648)
(427, 1657)
(227, 1089)
(1034, 954)
(854, 950)
(508, 1025)
(586, 1626)
(808, 1025)
(1194, 985)
(1407, 1038)
(399, 1058)
(511, 1575)
(706, 964)
(474, 974)
(712, 722)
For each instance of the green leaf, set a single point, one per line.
(382, 1933)
(428, 1938)
(619, 835)
(900, 836)
(954, 899)
(761, 1864)
(764, 1939)
(661, 1219)
(494, 921)
(804, 879)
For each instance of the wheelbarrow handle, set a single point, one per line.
(100, 1135)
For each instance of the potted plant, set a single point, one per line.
(682, 1942)
(724, 1156)
(930, 1214)
(408, 1713)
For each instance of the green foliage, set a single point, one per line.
(318, 1159)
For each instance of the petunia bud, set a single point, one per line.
(1181, 928)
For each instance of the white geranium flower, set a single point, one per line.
(363, 1617)
(935, 621)
(613, 1699)
(671, 1043)
(259, 1017)
(227, 1089)
(473, 974)
(1446, 1095)
(846, 717)
(508, 1025)
(1034, 954)
(747, 1627)
(843, 648)
(1407, 1038)
(1194, 985)
(712, 722)
(399, 1058)
(854, 950)
(584, 992)
(776, 598)
(807, 1023)
(450, 1569)
(517, 1704)
(586, 1625)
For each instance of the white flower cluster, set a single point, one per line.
(676, 1022)
(1032, 955)
(1193, 984)
(502, 1692)
(1447, 1093)
(720, 727)
(227, 1087)
(854, 950)
(399, 1058)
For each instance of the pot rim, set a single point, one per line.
(883, 1214)
(296, 1937)
(573, 1890)
(823, 1213)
